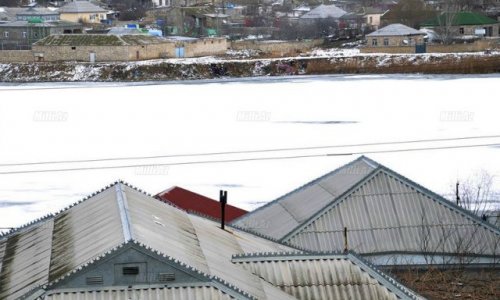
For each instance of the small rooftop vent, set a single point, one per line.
(165, 277)
(130, 270)
(93, 280)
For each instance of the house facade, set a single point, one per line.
(464, 25)
(82, 11)
(395, 35)
(20, 35)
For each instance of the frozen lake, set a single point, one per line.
(80, 121)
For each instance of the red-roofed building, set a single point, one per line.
(193, 202)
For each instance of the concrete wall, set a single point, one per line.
(277, 47)
(206, 47)
(8, 56)
(201, 47)
(480, 45)
(86, 17)
(393, 41)
(104, 53)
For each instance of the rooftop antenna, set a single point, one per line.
(223, 202)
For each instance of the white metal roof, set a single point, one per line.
(324, 276)
(40, 257)
(146, 292)
(387, 213)
(279, 217)
(395, 30)
(81, 7)
(323, 12)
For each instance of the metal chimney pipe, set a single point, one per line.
(346, 248)
(223, 201)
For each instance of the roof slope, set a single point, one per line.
(323, 12)
(460, 18)
(395, 30)
(43, 258)
(279, 217)
(335, 276)
(81, 7)
(387, 213)
(193, 202)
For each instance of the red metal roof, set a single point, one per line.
(193, 202)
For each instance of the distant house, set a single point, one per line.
(464, 24)
(395, 35)
(324, 12)
(41, 13)
(20, 35)
(193, 202)
(20, 27)
(371, 16)
(82, 11)
(121, 243)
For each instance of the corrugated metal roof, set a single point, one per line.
(387, 213)
(25, 260)
(323, 12)
(396, 30)
(42, 258)
(146, 292)
(48, 251)
(193, 202)
(84, 231)
(325, 276)
(81, 7)
(196, 241)
(279, 217)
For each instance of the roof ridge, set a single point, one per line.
(390, 172)
(310, 183)
(69, 206)
(331, 204)
(52, 215)
(371, 268)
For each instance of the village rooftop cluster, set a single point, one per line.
(89, 31)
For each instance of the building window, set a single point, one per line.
(6, 34)
(25, 35)
(374, 42)
(386, 42)
(371, 20)
(461, 30)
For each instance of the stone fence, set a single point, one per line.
(480, 45)
(277, 48)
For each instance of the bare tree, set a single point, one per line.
(476, 193)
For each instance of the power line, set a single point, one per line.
(245, 159)
(246, 151)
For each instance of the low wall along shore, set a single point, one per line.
(206, 69)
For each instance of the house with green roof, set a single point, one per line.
(464, 24)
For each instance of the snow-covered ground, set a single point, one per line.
(53, 122)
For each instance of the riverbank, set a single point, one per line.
(317, 62)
